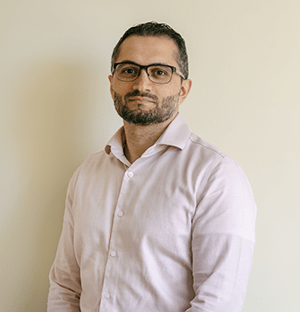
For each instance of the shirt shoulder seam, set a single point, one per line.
(221, 154)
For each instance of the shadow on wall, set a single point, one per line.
(52, 111)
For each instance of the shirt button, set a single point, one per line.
(130, 174)
(106, 295)
(120, 214)
(113, 253)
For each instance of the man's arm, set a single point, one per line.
(65, 286)
(223, 241)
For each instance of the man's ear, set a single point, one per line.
(186, 85)
(110, 78)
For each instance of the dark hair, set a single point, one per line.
(156, 29)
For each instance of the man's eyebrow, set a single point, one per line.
(134, 63)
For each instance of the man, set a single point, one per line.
(160, 220)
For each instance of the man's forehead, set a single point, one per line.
(148, 48)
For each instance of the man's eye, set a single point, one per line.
(129, 71)
(159, 72)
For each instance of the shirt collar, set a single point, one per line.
(176, 134)
(116, 143)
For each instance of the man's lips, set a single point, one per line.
(140, 99)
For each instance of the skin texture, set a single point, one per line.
(156, 103)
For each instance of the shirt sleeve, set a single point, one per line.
(65, 285)
(223, 238)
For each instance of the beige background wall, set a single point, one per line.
(56, 110)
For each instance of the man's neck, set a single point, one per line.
(140, 138)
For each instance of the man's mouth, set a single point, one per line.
(140, 99)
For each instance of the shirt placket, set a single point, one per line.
(113, 268)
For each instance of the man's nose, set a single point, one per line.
(142, 83)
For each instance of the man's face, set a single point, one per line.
(143, 102)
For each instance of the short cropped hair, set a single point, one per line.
(157, 30)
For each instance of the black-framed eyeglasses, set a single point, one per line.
(157, 73)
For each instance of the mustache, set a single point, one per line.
(141, 94)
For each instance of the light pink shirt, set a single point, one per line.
(172, 232)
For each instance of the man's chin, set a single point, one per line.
(142, 118)
(138, 120)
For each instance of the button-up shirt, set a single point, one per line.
(171, 232)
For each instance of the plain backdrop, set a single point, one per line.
(56, 110)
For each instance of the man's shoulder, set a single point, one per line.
(94, 157)
(200, 145)
(92, 161)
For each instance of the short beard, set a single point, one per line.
(156, 115)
